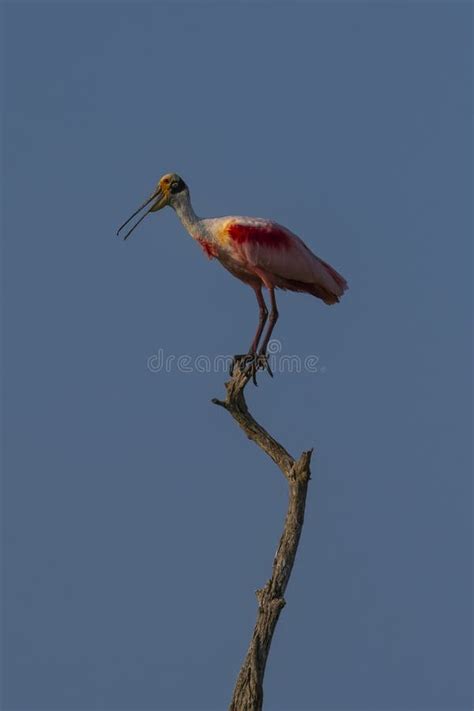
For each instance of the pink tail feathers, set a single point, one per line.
(338, 278)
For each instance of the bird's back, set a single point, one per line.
(277, 254)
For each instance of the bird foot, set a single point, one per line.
(250, 364)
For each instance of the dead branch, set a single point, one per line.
(248, 691)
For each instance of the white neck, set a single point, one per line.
(183, 208)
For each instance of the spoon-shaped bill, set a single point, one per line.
(155, 195)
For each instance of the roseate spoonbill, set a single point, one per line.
(257, 251)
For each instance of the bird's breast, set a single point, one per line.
(208, 247)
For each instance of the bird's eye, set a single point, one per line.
(177, 185)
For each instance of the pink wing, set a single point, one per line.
(281, 259)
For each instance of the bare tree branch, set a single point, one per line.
(248, 691)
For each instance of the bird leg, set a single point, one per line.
(271, 325)
(251, 359)
(262, 319)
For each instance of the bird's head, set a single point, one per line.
(170, 190)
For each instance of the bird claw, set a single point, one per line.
(250, 364)
(265, 363)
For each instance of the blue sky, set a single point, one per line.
(138, 521)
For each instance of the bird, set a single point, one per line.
(258, 251)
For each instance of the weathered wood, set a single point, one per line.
(248, 691)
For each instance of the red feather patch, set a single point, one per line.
(268, 236)
(208, 248)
